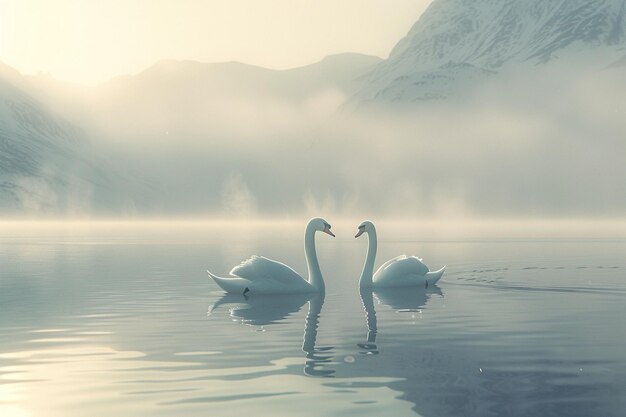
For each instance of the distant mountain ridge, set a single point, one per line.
(48, 164)
(456, 42)
(209, 87)
(340, 71)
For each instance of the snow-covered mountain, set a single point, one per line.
(197, 138)
(46, 165)
(457, 43)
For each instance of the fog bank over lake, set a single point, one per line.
(513, 149)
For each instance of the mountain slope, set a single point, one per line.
(462, 42)
(155, 98)
(343, 72)
(46, 165)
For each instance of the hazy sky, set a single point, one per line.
(91, 41)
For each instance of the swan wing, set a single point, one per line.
(259, 268)
(402, 266)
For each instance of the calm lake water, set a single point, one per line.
(102, 320)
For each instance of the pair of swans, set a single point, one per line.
(259, 275)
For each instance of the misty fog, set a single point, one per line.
(547, 146)
(180, 140)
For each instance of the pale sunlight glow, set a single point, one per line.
(92, 41)
(55, 373)
(425, 229)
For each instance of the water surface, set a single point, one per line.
(119, 320)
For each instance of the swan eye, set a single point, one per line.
(362, 226)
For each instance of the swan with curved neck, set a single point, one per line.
(259, 275)
(401, 271)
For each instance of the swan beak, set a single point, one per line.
(327, 231)
(361, 230)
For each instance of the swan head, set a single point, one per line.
(320, 225)
(365, 227)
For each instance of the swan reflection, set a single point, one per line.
(402, 300)
(367, 298)
(264, 310)
(316, 357)
(261, 310)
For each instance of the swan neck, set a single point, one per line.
(315, 273)
(368, 269)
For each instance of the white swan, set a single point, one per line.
(402, 271)
(259, 275)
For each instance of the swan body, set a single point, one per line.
(401, 271)
(260, 275)
(406, 271)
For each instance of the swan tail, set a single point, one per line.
(433, 277)
(231, 285)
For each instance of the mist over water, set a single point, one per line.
(540, 147)
(186, 139)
